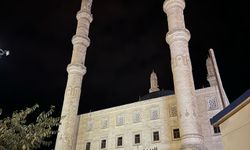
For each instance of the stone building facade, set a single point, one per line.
(150, 124)
(162, 120)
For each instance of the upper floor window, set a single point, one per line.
(155, 114)
(103, 144)
(88, 145)
(104, 123)
(89, 125)
(119, 120)
(136, 117)
(156, 136)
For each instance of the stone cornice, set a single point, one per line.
(80, 40)
(178, 35)
(84, 14)
(169, 4)
(76, 69)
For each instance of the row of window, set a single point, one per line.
(137, 139)
(120, 119)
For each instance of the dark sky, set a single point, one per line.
(127, 42)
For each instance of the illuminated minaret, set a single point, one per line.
(213, 77)
(153, 82)
(66, 137)
(177, 38)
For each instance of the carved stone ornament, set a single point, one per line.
(173, 111)
(180, 60)
(212, 103)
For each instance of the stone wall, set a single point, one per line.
(144, 118)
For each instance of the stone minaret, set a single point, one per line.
(210, 72)
(177, 38)
(213, 77)
(153, 83)
(66, 137)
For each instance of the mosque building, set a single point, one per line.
(162, 119)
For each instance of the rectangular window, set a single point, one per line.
(119, 141)
(119, 120)
(103, 144)
(176, 133)
(104, 123)
(136, 117)
(88, 146)
(155, 114)
(156, 136)
(137, 139)
(216, 129)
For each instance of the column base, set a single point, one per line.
(193, 147)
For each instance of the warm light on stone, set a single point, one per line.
(66, 138)
(161, 121)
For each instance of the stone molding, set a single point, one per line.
(168, 5)
(82, 40)
(84, 14)
(76, 69)
(178, 35)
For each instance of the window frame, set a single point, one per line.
(152, 111)
(135, 142)
(153, 136)
(174, 133)
(120, 118)
(88, 146)
(117, 141)
(136, 117)
(104, 123)
(216, 130)
(105, 143)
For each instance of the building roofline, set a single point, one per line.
(231, 109)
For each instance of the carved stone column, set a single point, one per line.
(66, 138)
(177, 38)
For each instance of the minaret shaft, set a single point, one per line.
(177, 38)
(214, 77)
(66, 138)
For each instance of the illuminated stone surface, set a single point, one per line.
(66, 137)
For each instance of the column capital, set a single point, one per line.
(76, 39)
(84, 14)
(169, 4)
(76, 69)
(178, 35)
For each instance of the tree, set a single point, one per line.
(16, 133)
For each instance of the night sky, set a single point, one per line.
(127, 43)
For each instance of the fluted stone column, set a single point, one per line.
(66, 138)
(177, 38)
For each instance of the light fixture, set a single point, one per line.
(4, 52)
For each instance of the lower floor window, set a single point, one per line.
(137, 139)
(119, 141)
(103, 144)
(156, 136)
(216, 129)
(176, 133)
(88, 146)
